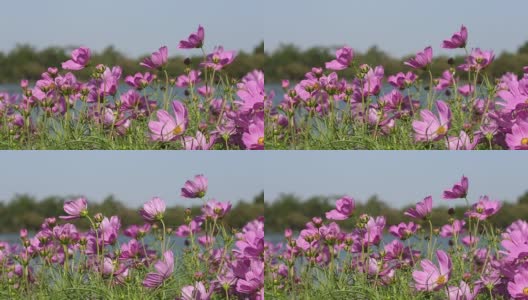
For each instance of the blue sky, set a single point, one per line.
(139, 27)
(398, 177)
(133, 176)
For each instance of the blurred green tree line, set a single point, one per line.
(290, 211)
(24, 211)
(291, 62)
(286, 62)
(27, 62)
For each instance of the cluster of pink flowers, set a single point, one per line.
(118, 255)
(216, 120)
(485, 264)
(488, 115)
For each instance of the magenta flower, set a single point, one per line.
(459, 190)
(75, 209)
(403, 231)
(344, 209)
(344, 57)
(195, 40)
(157, 59)
(198, 143)
(187, 80)
(139, 81)
(445, 81)
(216, 210)
(254, 138)
(80, 58)
(168, 128)
(219, 59)
(484, 208)
(196, 292)
(462, 292)
(153, 210)
(458, 40)
(402, 80)
(518, 138)
(432, 128)
(164, 269)
(461, 142)
(454, 229)
(518, 288)
(195, 188)
(422, 59)
(431, 277)
(477, 60)
(422, 209)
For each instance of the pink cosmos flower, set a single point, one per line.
(403, 231)
(75, 209)
(450, 230)
(518, 138)
(484, 208)
(445, 81)
(466, 90)
(195, 188)
(219, 59)
(157, 59)
(477, 60)
(137, 232)
(186, 80)
(198, 143)
(195, 40)
(431, 277)
(344, 209)
(196, 292)
(422, 59)
(459, 190)
(168, 128)
(514, 92)
(518, 287)
(214, 209)
(462, 292)
(462, 142)
(153, 210)
(458, 40)
(344, 57)
(469, 240)
(402, 80)
(515, 243)
(432, 128)
(139, 81)
(80, 58)
(254, 138)
(422, 209)
(164, 269)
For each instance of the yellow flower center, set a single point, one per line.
(525, 291)
(261, 141)
(441, 279)
(524, 142)
(441, 130)
(178, 130)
